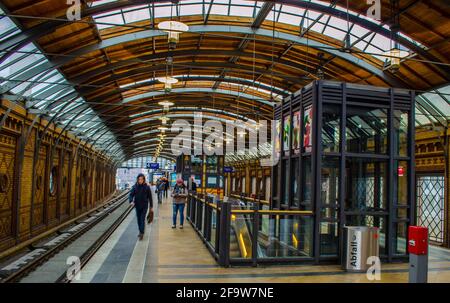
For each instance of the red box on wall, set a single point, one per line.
(418, 240)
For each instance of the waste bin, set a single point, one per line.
(361, 242)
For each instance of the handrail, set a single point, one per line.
(260, 211)
(272, 212)
(250, 199)
(204, 201)
(215, 227)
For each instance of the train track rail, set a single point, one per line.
(105, 219)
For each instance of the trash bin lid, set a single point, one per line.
(357, 227)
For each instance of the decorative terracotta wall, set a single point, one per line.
(46, 176)
(248, 170)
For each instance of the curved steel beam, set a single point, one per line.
(44, 28)
(242, 81)
(197, 90)
(58, 62)
(172, 110)
(365, 23)
(213, 66)
(84, 77)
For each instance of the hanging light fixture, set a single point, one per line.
(166, 103)
(173, 30)
(164, 120)
(168, 81)
(394, 52)
(162, 128)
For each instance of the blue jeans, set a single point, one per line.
(160, 196)
(176, 208)
(140, 214)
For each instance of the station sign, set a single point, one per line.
(152, 165)
(227, 169)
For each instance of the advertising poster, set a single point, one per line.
(278, 136)
(296, 131)
(286, 132)
(307, 129)
(173, 179)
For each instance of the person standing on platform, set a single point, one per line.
(179, 195)
(193, 187)
(141, 198)
(166, 187)
(159, 190)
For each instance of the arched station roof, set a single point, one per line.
(96, 75)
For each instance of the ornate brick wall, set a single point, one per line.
(46, 177)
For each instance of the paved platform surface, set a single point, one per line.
(168, 255)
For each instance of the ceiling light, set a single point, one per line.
(168, 81)
(166, 103)
(162, 128)
(394, 57)
(164, 120)
(173, 29)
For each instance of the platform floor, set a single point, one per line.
(168, 255)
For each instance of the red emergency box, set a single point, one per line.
(418, 240)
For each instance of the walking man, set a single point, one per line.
(141, 197)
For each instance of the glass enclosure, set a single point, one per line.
(349, 161)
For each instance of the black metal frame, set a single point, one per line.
(184, 166)
(220, 250)
(344, 95)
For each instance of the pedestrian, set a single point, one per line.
(141, 198)
(159, 190)
(166, 187)
(193, 189)
(179, 195)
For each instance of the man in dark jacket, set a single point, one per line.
(141, 197)
(166, 187)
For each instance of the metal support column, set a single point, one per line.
(224, 234)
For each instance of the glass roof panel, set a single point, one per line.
(163, 11)
(137, 15)
(49, 89)
(7, 28)
(333, 26)
(101, 2)
(245, 11)
(219, 9)
(187, 10)
(438, 102)
(110, 21)
(289, 19)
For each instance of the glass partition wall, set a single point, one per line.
(346, 153)
(207, 171)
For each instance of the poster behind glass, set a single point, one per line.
(278, 136)
(286, 132)
(296, 132)
(307, 129)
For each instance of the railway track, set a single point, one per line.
(48, 261)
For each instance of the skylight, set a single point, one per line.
(48, 90)
(331, 26)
